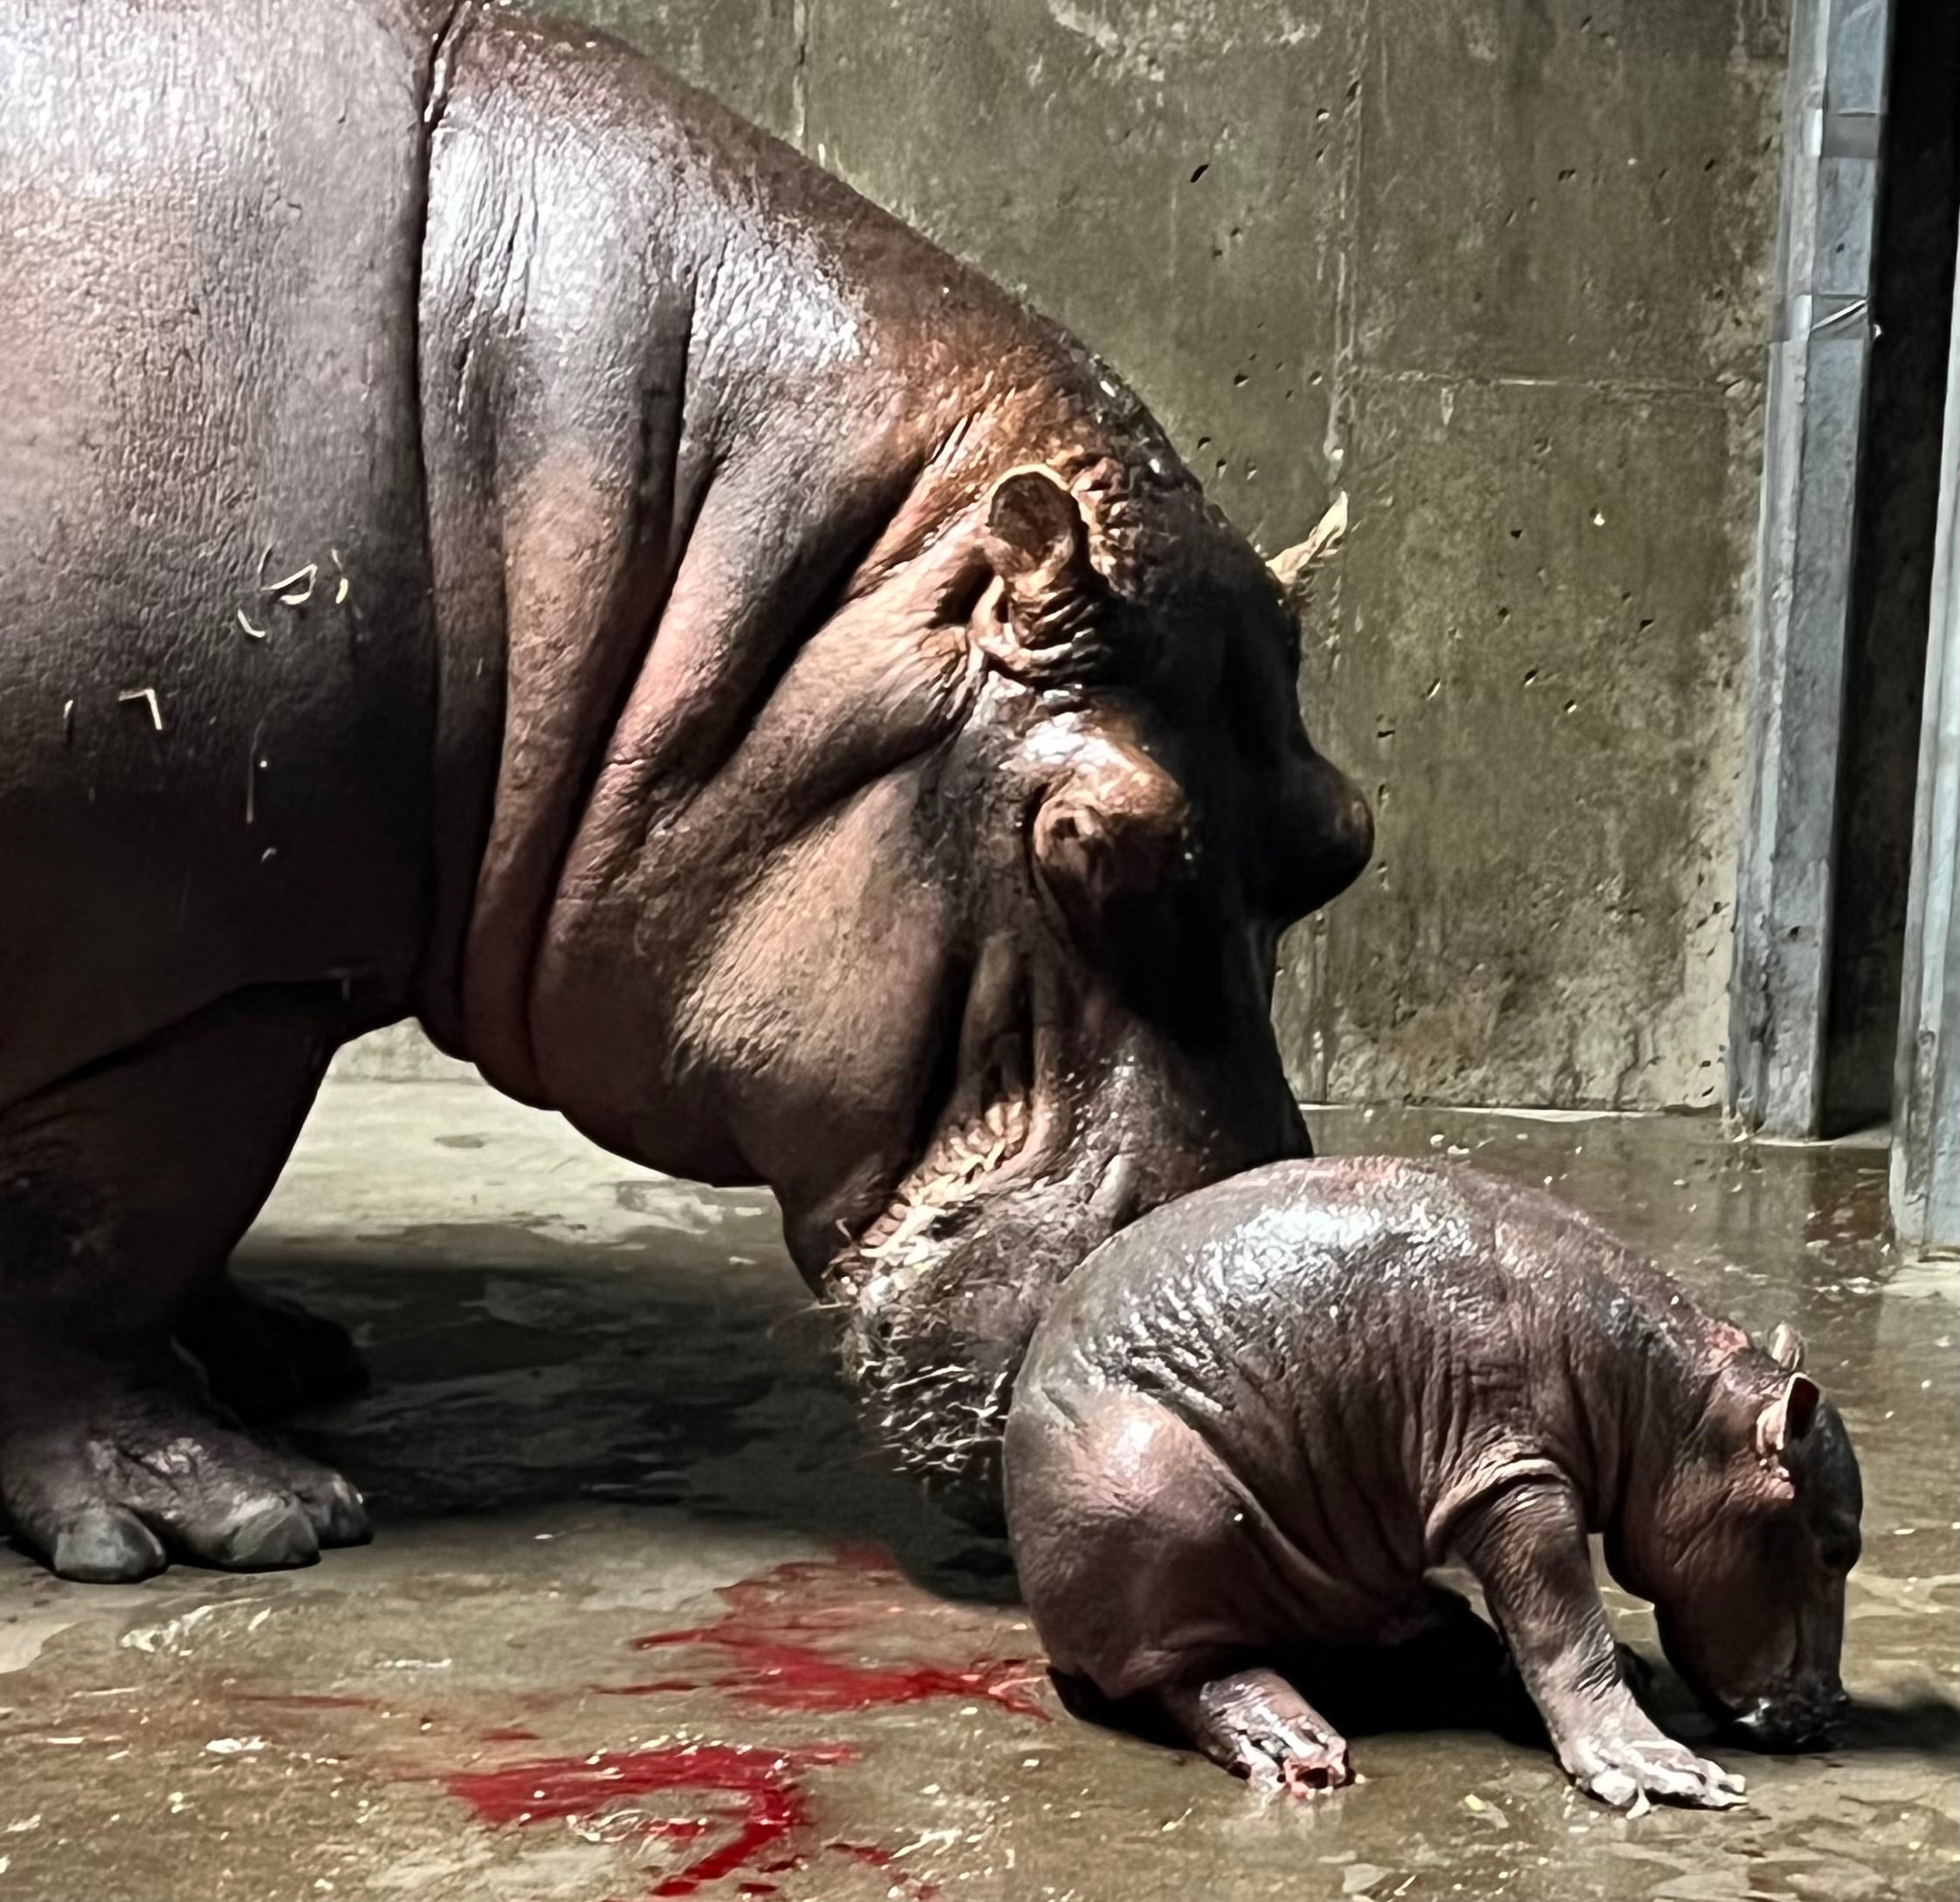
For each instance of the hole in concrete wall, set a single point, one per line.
(1891, 576)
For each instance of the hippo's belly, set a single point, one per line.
(207, 385)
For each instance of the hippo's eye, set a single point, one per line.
(1838, 1552)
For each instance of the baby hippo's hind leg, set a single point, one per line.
(1153, 1573)
(1260, 1727)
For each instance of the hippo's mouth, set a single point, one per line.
(992, 1125)
(966, 1158)
(933, 1333)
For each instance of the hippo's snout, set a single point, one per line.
(1800, 1720)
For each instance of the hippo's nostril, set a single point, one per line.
(1118, 1199)
(1804, 1725)
(1354, 831)
(1361, 826)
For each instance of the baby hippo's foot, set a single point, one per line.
(1257, 1725)
(107, 1475)
(1634, 1769)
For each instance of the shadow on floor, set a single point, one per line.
(642, 1384)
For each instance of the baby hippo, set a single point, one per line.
(1254, 1420)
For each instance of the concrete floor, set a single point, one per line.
(643, 1618)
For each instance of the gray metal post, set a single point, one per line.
(1835, 109)
(1926, 1118)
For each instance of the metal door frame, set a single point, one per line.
(1779, 986)
(1925, 1099)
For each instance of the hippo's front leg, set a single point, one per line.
(265, 1357)
(1527, 1547)
(122, 1189)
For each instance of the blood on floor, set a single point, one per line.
(741, 1810)
(792, 1639)
(803, 1637)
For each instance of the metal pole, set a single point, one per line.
(1926, 1115)
(1835, 112)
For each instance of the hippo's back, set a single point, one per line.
(1394, 1310)
(1321, 1262)
(209, 221)
(1367, 1341)
(1302, 1256)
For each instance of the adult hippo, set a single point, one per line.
(486, 535)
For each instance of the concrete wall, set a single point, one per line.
(1498, 269)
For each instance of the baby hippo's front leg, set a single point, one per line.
(1147, 1567)
(1527, 1547)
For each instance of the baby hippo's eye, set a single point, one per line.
(1839, 1551)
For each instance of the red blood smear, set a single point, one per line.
(800, 1677)
(765, 1810)
(880, 1858)
(765, 1635)
(509, 1736)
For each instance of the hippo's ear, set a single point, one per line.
(1035, 538)
(1786, 1348)
(1787, 1418)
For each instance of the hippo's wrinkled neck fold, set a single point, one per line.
(1638, 1366)
(682, 394)
(815, 624)
(634, 499)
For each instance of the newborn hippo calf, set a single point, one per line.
(1253, 1422)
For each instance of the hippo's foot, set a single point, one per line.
(1257, 1726)
(265, 1357)
(1634, 1771)
(109, 1478)
(1635, 1672)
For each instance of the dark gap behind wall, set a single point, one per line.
(1919, 212)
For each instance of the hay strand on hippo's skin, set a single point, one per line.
(148, 695)
(290, 593)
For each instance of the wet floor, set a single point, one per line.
(644, 1619)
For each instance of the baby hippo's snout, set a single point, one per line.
(1803, 1717)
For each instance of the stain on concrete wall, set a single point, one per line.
(1500, 270)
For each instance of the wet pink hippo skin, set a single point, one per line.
(1254, 1420)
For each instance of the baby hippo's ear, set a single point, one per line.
(1786, 1348)
(1788, 1419)
(1035, 539)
